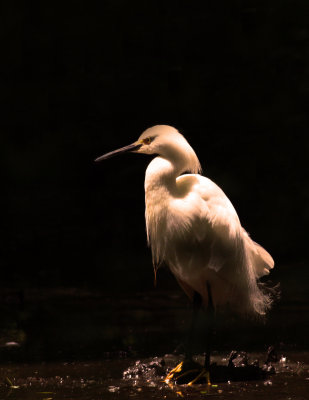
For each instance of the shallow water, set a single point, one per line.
(78, 344)
(111, 379)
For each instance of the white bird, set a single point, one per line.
(193, 227)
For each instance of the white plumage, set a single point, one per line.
(193, 227)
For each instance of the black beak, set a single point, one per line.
(125, 149)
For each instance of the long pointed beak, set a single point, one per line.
(126, 149)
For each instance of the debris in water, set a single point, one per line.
(113, 389)
(12, 344)
(238, 359)
(149, 370)
(272, 355)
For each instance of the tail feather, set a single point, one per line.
(263, 261)
(260, 258)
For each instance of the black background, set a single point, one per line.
(79, 79)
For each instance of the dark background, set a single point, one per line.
(83, 78)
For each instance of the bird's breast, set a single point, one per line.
(173, 223)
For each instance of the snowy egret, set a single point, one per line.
(193, 227)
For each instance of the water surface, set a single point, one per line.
(110, 379)
(82, 344)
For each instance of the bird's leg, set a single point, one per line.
(197, 303)
(187, 369)
(210, 314)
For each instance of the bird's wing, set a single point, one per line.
(221, 252)
(226, 226)
(201, 202)
(220, 211)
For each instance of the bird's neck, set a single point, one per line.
(160, 184)
(160, 190)
(160, 177)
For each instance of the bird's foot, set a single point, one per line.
(202, 376)
(188, 372)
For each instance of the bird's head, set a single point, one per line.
(160, 139)
(164, 141)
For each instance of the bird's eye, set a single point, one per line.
(148, 140)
